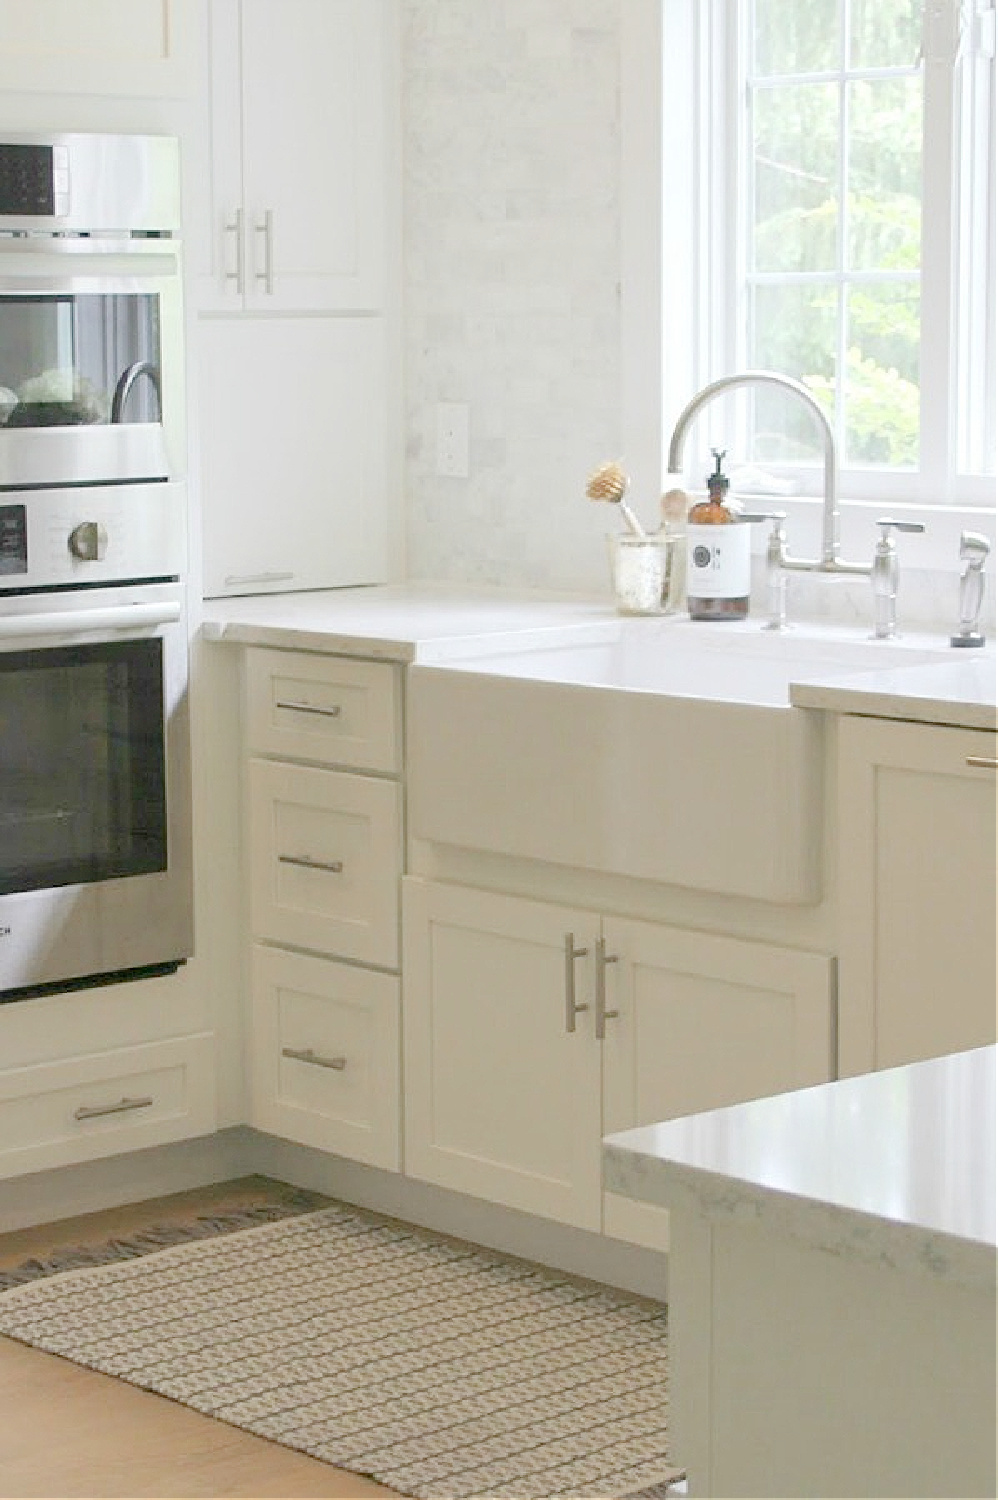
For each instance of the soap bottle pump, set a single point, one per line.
(718, 554)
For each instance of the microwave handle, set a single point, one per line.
(73, 621)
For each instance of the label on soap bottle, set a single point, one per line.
(718, 561)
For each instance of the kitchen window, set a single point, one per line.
(825, 173)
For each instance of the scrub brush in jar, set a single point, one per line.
(610, 483)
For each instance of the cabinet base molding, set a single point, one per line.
(45, 1197)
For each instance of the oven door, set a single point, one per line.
(95, 798)
(90, 361)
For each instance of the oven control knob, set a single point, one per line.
(88, 541)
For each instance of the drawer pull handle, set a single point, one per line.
(232, 580)
(985, 762)
(331, 866)
(602, 1014)
(94, 1111)
(571, 954)
(310, 708)
(306, 1055)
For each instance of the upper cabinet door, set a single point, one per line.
(298, 122)
(138, 48)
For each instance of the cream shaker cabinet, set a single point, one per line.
(112, 48)
(916, 837)
(298, 124)
(532, 1029)
(323, 781)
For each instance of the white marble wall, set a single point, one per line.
(512, 271)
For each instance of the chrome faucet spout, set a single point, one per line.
(829, 561)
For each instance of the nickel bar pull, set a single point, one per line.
(306, 1055)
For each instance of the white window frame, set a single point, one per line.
(665, 255)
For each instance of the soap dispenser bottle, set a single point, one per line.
(718, 554)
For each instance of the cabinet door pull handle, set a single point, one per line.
(602, 1014)
(236, 229)
(306, 1055)
(94, 1111)
(266, 228)
(333, 712)
(984, 762)
(305, 862)
(571, 954)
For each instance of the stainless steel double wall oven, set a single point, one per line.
(95, 793)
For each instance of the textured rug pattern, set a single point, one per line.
(434, 1367)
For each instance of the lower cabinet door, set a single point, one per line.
(325, 1055)
(703, 1021)
(502, 1085)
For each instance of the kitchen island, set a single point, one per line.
(832, 1283)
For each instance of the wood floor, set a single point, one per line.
(70, 1432)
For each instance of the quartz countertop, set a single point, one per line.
(958, 691)
(896, 1167)
(404, 622)
(430, 623)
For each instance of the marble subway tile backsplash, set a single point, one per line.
(512, 270)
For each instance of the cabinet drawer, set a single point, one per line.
(325, 855)
(327, 709)
(325, 1055)
(86, 1107)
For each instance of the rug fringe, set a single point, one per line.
(156, 1237)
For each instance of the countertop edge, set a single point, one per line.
(835, 1228)
(880, 704)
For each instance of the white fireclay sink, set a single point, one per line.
(666, 750)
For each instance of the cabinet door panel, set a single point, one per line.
(313, 152)
(110, 47)
(705, 1021)
(293, 453)
(917, 858)
(502, 1101)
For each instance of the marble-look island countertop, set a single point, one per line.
(895, 1167)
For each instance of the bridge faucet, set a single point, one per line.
(829, 562)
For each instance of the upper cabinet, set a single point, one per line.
(298, 114)
(115, 48)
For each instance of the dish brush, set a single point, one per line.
(610, 483)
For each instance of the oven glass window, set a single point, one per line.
(70, 360)
(82, 773)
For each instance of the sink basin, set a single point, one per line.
(665, 750)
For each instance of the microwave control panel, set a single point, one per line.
(34, 180)
(13, 539)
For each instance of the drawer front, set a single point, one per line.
(55, 1114)
(325, 856)
(327, 709)
(325, 1055)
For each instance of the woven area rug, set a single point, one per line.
(434, 1367)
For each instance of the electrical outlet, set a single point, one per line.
(452, 439)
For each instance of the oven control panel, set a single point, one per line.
(13, 539)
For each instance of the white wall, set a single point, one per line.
(511, 162)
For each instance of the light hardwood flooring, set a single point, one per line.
(70, 1432)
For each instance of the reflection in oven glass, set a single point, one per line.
(82, 777)
(71, 360)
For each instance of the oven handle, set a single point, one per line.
(73, 621)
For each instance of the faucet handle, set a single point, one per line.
(888, 523)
